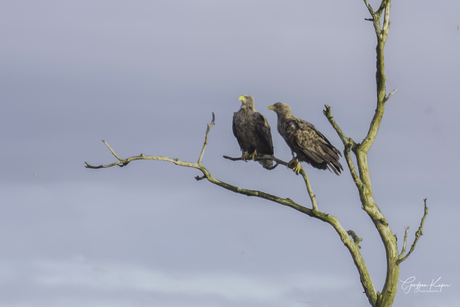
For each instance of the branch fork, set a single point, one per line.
(418, 234)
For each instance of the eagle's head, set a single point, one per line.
(247, 102)
(281, 108)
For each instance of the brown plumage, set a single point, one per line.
(252, 132)
(306, 141)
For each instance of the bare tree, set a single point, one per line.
(359, 172)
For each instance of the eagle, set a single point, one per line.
(306, 141)
(252, 132)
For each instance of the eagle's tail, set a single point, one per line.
(335, 167)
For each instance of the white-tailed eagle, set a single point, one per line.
(306, 141)
(252, 132)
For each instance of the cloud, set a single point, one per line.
(93, 281)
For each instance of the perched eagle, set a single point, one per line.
(252, 132)
(306, 141)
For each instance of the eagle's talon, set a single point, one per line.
(297, 168)
(295, 165)
(253, 155)
(290, 163)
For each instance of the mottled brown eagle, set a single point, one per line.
(306, 141)
(252, 132)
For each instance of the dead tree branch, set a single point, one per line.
(349, 144)
(418, 234)
(279, 161)
(348, 241)
(213, 122)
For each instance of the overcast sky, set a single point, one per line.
(145, 76)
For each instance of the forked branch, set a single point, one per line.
(418, 234)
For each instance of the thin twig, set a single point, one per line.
(124, 162)
(369, 7)
(405, 241)
(110, 148)
(330, 118)
(389, 95)
(418, 234)
(206, 137)
(347, 142)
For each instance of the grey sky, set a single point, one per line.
(145, 76)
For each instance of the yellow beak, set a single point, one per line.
(242, 98)
(272, 107)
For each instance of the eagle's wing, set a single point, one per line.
(237, 129)
(264, 134)
(305, 138)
